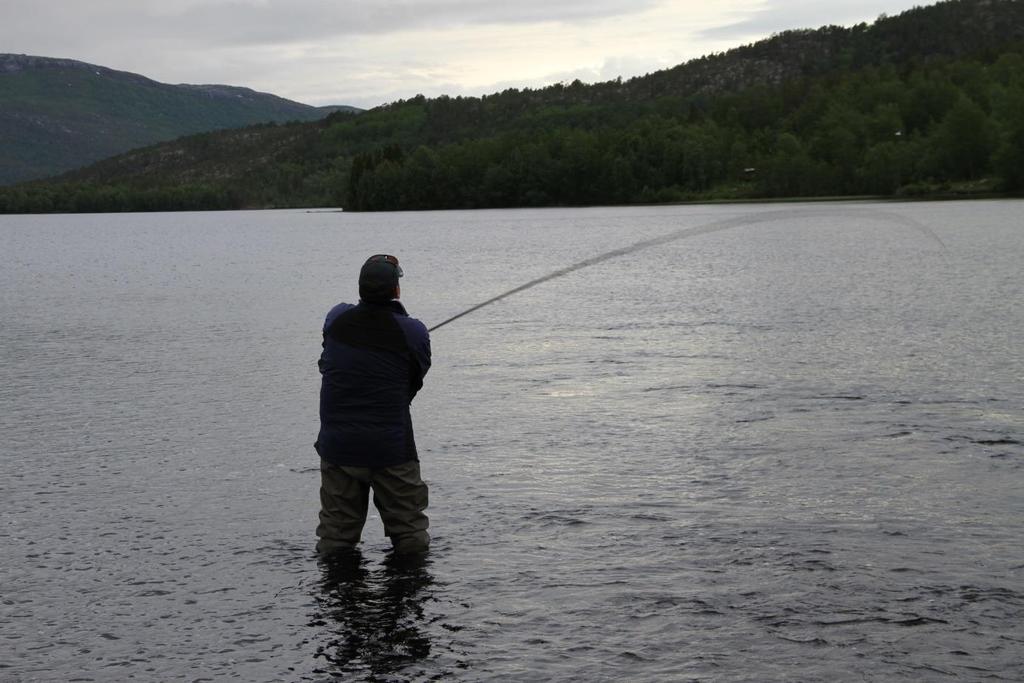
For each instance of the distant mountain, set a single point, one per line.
(928, 102)
(60, 114)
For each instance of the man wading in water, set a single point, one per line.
(374, 359)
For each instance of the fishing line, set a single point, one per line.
(705, 229)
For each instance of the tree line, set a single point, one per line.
(916, 105)
(941, 127)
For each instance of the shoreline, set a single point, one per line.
(933, 197)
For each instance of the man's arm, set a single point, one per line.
(419, 345)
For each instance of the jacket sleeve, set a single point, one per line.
(419, 345)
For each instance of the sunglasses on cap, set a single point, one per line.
(387, 258)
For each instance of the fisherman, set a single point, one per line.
(374, 359)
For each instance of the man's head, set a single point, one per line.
(378, 279)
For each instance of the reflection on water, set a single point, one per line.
(373, 616)
(791, 450)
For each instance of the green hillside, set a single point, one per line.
(925, 103)
(58, 114)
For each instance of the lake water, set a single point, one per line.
(789, 448)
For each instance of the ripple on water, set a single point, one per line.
(799, 461)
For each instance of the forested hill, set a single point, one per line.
(60, 114)
(926, 102)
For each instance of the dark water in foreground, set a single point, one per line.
(788, 450)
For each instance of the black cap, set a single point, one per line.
(378, 278)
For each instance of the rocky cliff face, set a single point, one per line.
(912, 35)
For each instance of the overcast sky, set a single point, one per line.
(368, 52)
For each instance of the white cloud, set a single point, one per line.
(366, 52)
(216, 23)
(781, 15)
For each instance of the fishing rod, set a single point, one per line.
(705, 229)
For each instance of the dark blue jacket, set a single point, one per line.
(374, 359)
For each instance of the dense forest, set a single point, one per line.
(929, 102)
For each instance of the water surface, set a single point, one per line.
(786, 450)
